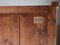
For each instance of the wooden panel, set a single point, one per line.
(24, 9)
(9, 9)
(9, 29)
(9, 25)
(32, 33)
(52, 25)
(34, 9)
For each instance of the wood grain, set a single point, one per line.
(24, 9)
(17, 27)
(9, 29)
(30, 33)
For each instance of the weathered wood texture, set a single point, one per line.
(17, 26)
(9, 29)
(24, 9)
(52, 25)
(33, 33)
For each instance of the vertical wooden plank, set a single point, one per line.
(52, 25)
(31, 33)
(15, 20)
(1, 34)
(10, 29)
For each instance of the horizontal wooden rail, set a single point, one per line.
(24, 9)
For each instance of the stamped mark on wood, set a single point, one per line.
(38, 19)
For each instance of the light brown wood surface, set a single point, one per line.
(9, 29)
(31, 33)
(24, 9)
(20, 29)
(17, 25)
